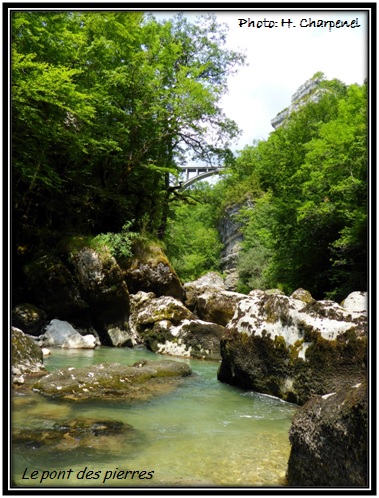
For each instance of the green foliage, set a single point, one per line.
(310, 227)
(104, 104)
(192, 241)
(119, 243)
(104, 107)
(302, 203)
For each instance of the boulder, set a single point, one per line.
(99, 435)
(28, 318)
(62, 334)
(120, 338)
(150, 271)
(54, 288)
(102, 285)
(292, 349)
(302, 295)
(26, 357)
(209, 300)
(210, 282)
(329, 437)
(192, 338)
(217, 307)
(356, 303)
(146, 310)
(166, 326)
(107, 381)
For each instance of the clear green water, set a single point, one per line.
(205, 433)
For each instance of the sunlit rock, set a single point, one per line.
(356, 303)
(210, 301)
(62, 334)
(195, 339)
(120, 338)
(293, 349)
(113, 380)
(150, 271)
(166, 326)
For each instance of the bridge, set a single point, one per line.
(192, 174)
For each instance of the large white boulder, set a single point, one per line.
(62, 334)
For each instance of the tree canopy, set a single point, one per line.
(302, 195)
(105, 106)
(309, 225)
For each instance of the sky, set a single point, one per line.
(281, 58)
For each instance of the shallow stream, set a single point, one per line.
(204, 433)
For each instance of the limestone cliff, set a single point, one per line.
(231, 237)
(309, 91)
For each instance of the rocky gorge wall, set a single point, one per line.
(229, 229)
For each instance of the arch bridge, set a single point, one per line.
(192, 174)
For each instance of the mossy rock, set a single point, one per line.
(96, 436)
(28, 318)
(27, 359)
(113, 381)
(150, 271)
(54, 288)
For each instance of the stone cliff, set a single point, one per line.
(309, 91)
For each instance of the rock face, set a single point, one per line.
(26, 357)
(231, 237)
(102, 286)
(53, 288)
(309, 91)
(86, 288)
(62, 334)
(166, 326)
(150, 271)
(329, 440)
(28, 318)
(293, 348)
(210, 301)
(113, 381)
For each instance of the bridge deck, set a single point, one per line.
(193, 174)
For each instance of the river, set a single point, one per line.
(205, 433)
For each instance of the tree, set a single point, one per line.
(104, 108)
(308, 227)
(192, 239)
